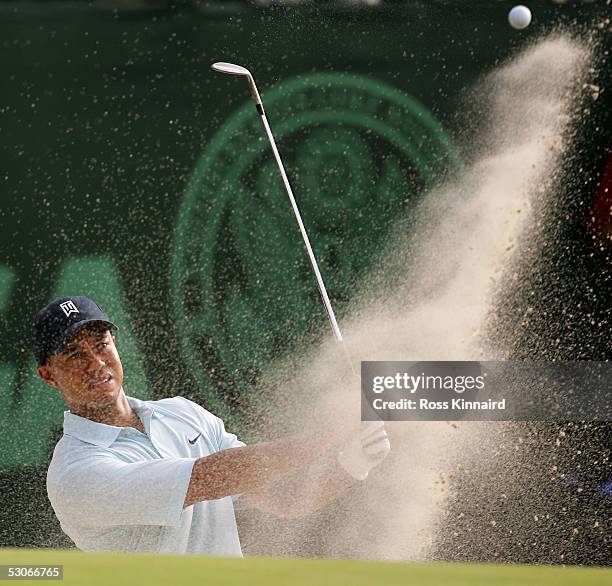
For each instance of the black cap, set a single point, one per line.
(57, 322)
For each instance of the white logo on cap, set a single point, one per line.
(69, 307)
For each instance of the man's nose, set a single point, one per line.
(93, 358)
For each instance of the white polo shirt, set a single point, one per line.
(117, 489)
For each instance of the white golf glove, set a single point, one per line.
(367, 448)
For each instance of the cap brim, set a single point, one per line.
(74, 328)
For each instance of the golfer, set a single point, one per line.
(163, 476)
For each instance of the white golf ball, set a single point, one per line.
(519, 17)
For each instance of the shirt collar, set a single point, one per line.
(101, 434)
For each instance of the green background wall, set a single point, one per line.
(134, 174)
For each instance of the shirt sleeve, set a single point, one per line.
(103, 491)
(225, 438)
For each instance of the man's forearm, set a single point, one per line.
(305, 491)
(245, 469)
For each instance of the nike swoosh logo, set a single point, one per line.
(195, 439)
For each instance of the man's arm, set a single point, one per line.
(314, 486)
(304, 491)
(238, 470)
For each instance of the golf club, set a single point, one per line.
(233, 69)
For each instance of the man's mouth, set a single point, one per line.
(100, 381)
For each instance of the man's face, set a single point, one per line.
(89, 369)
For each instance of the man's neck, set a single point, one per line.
(119, 413)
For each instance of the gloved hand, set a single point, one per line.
(366, 448)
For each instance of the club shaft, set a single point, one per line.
(296, 211)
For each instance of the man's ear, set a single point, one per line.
(44, 372)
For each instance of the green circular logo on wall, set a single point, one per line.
(358, 152)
